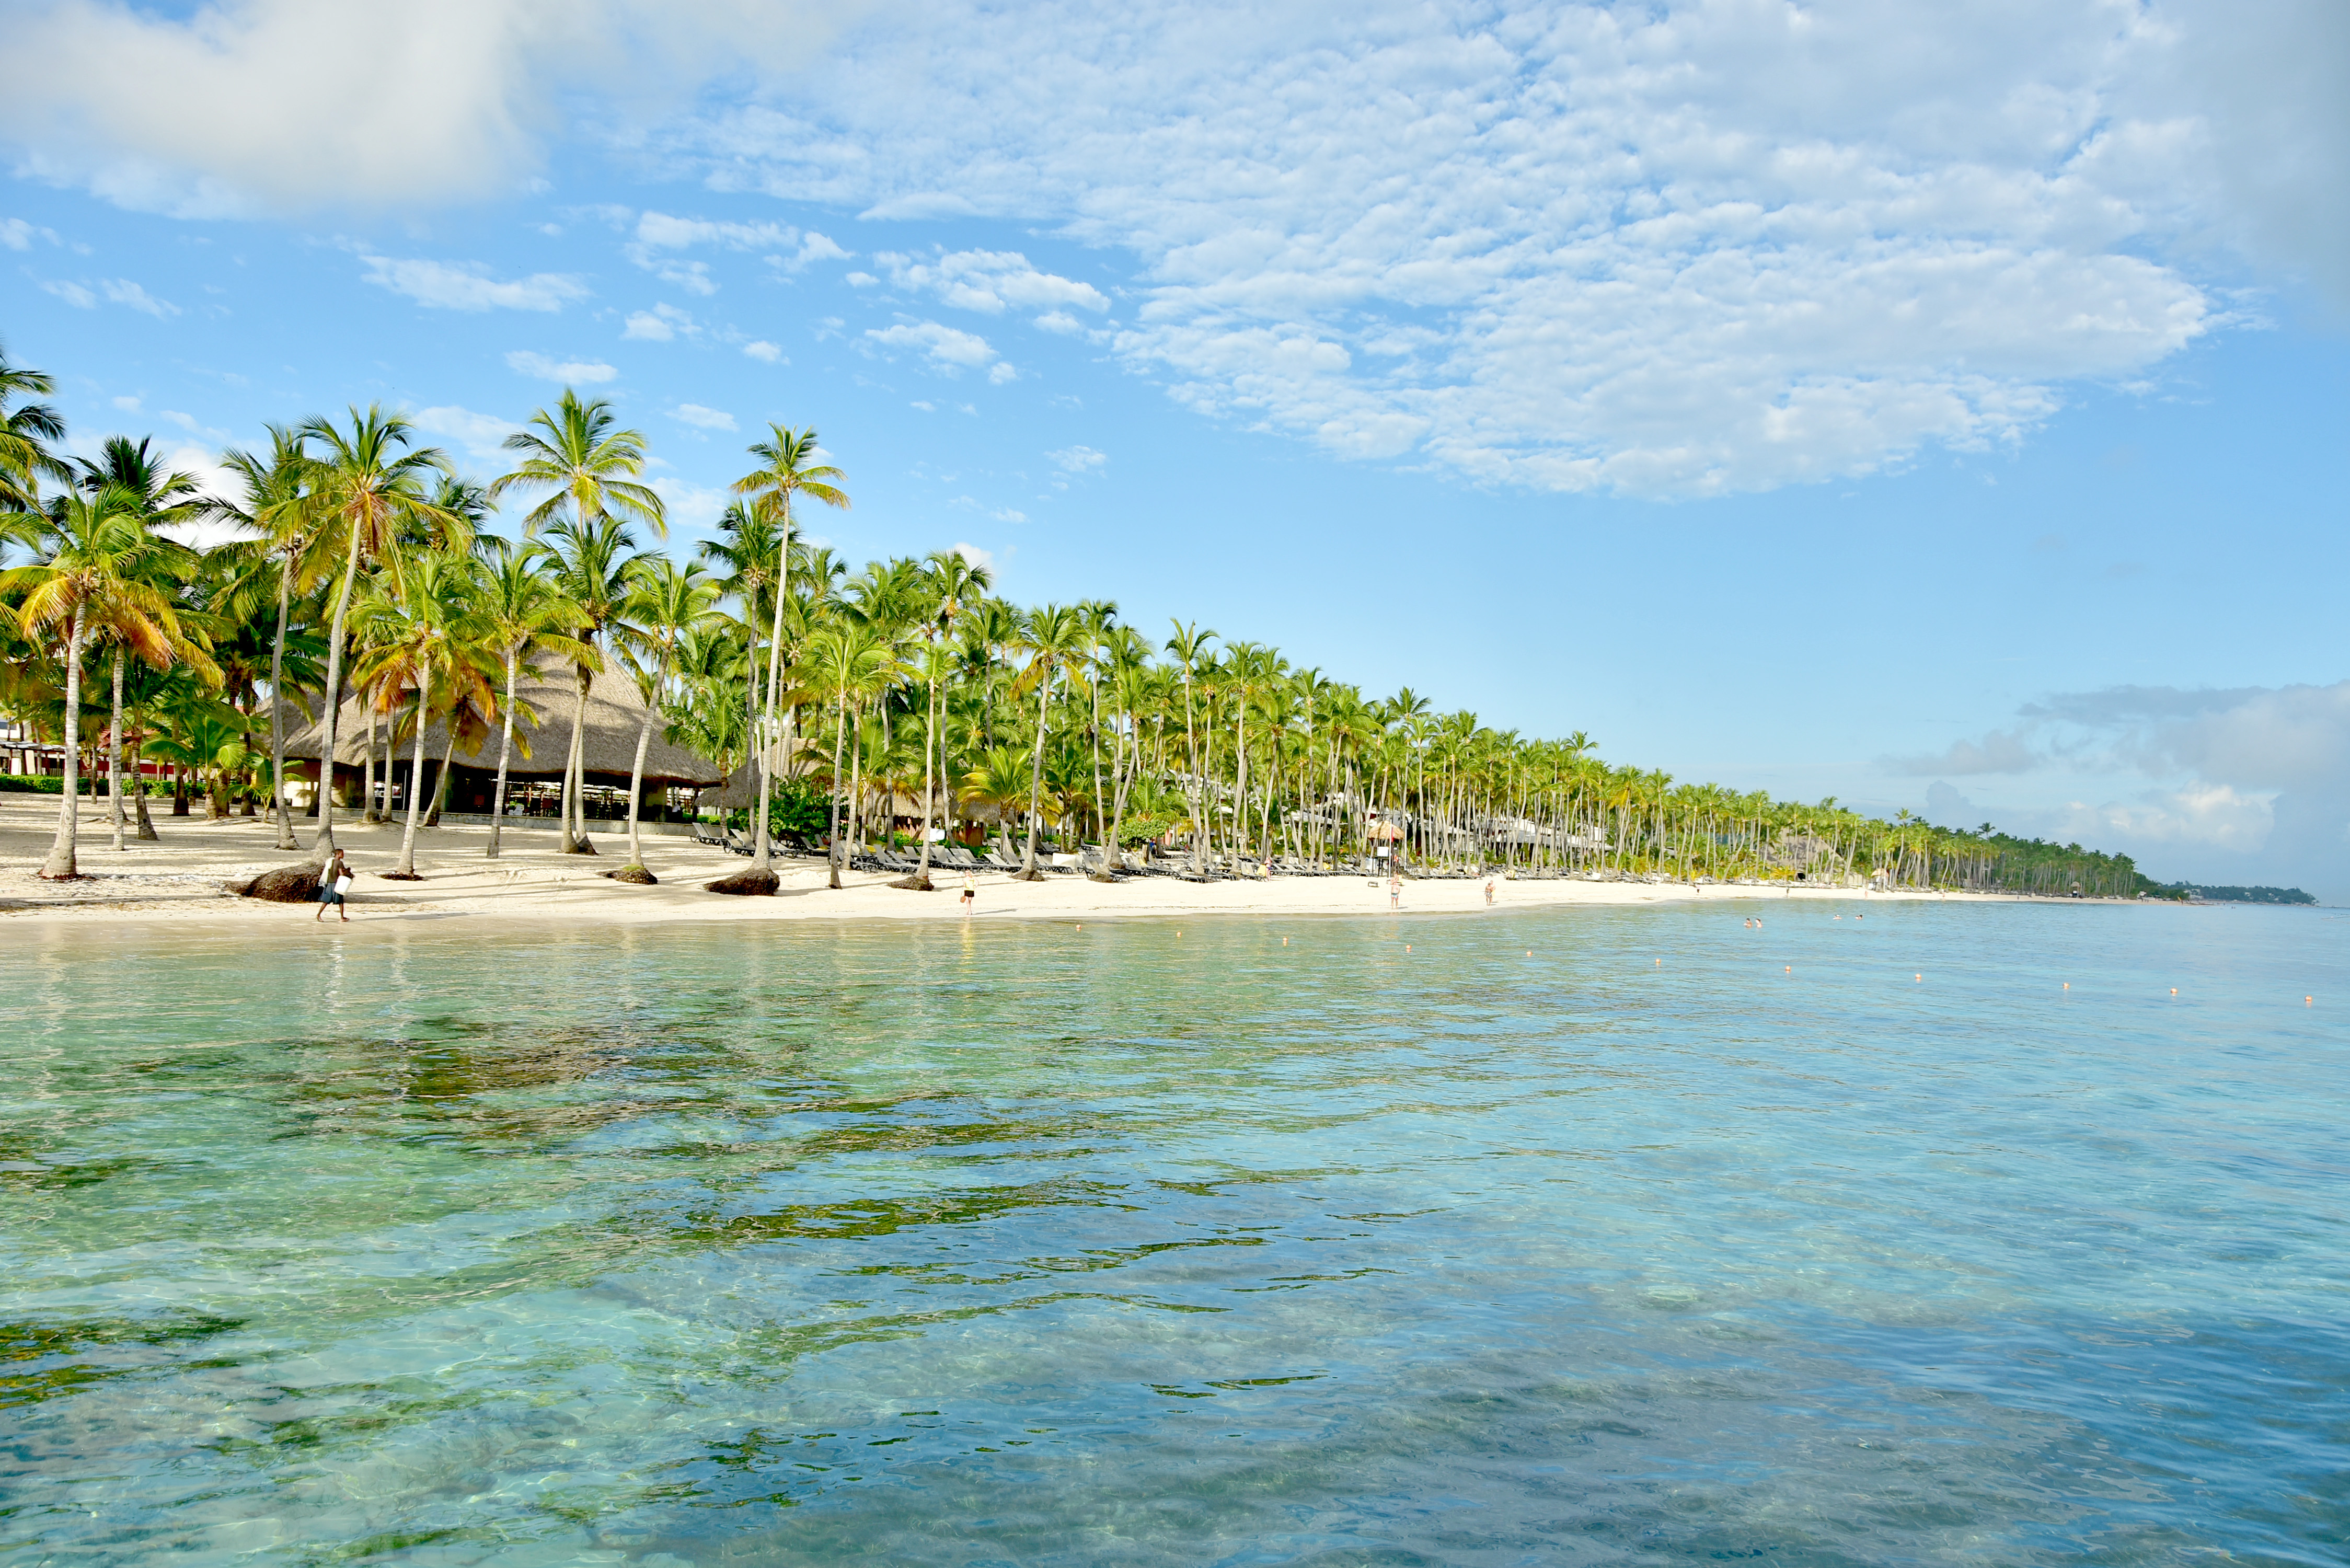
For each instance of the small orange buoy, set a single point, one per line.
(2068, 985)
(1407, 947)
(1661, 963)
(1791, 969)
(2174, 990)
(1922, 978)
(1530, 952)
(1284, 941)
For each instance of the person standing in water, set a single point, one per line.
(333, 883)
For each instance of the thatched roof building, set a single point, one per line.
(548, 698)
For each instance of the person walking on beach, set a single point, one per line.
(1488, 892)
(333, 883)
(970, 891)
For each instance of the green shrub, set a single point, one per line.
(35, 784)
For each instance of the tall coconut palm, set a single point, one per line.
(668, 603)
(1054, 637)
(586, 467)
(748, 557)
(165, 498)
(955, 582)
(276, 506)
(848, 661)
(421, 630)
(27, 433)
(1188, 645)
(99, 573)
(371, 486)
(526, 614)
(595, 564)
(787, 469)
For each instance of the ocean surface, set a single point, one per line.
(1591, 1236)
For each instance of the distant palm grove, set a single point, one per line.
(890, 705)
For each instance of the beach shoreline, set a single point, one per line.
(181, 879)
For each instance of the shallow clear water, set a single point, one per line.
(1046, 1245)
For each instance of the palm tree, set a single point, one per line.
(998, 779)
(277, 507)
(587, 467)
(163, 499)
(99, 573)
(669, 602)
(526, 614)
(595, 568)
(787, 469)
(425, 628)
(367, 489)
(26, 432)
(1054, 637)
(955, 582)
(1187, 645)
(847, 660)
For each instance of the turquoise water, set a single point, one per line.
(420, 1242)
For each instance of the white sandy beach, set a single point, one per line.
(181, 879)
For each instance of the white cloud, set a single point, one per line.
(691, 507)
(123, 291)
(1078, 459)
(694, 414)
(947, 348)
(16, 234)
(983, 559)
(129, 405)
(1006, 514)
(1665, 251)
(660, 324)
(468, 286)
(1000, 372)
(991, 280)
(570, 371)
(659, 234)
(114, 290)
(766, 353)
(187, 422)
(249, 106)
(480, 435)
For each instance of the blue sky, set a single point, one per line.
(1940, 412)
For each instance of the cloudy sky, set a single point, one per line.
(1939, 407)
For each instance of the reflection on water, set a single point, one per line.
(1057, 1246)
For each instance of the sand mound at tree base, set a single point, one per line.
(287, 885)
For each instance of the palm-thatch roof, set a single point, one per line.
(547, 699)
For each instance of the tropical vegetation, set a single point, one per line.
(898, 702)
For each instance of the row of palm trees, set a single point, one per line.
(904, 693)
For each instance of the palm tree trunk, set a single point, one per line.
(929, 784)
(323, 845)
(637, 786)
(277, 719)
(761, 854)
(416, 774)
(368, 810)
(1028, 872)
(61, 864)
(505, 750)
(114, 755)
(146, 832)
(441, 780)
(832, 804)
(574, 807)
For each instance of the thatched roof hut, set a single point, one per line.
(548, 698)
